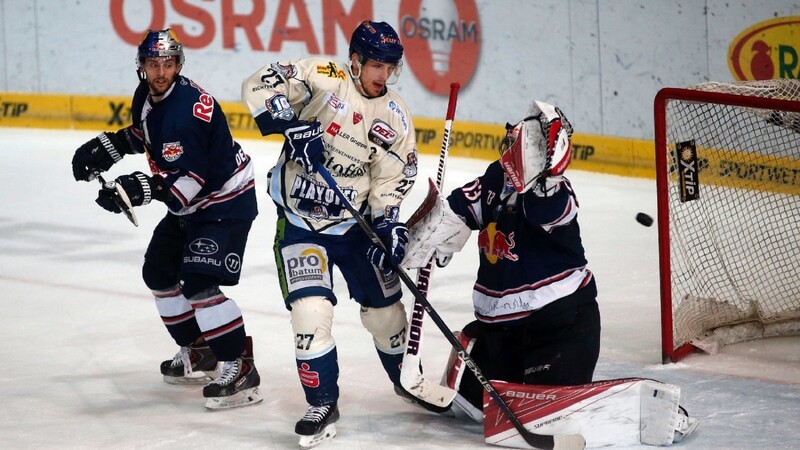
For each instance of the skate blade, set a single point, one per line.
(326, 434)
(691, 424)
(246, 397)
(194, 378)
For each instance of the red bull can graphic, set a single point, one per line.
(496, 245)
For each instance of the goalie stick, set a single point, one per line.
(538, 441)
(411, 371)
(121, 200)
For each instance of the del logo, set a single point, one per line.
(496, 245)
(766, 50)
(384, 131)
(172, 151)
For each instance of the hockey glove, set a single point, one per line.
(304, 144)
(434, 229)
(140, 190)
(99, 154)
(394, 236)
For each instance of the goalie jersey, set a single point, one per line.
(530, 247)
(370, 147)
(188, 143)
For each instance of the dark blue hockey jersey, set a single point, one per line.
(188, 142)
(530, 245)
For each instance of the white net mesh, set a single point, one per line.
(735, 249)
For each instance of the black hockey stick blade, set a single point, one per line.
(537, 441)
(121, 199)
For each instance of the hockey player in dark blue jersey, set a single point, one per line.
(206, 181)
(534, 297)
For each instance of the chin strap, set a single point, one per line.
(356, 78)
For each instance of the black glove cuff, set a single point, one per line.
(144, 181)
(108, 145)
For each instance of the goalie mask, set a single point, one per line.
(537, 147)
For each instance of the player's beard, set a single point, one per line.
(160, 85)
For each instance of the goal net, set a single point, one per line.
(728, 184)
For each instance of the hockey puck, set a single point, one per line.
(644, 219)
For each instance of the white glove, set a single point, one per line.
(434, 228)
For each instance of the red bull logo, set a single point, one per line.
(766, 50)
(171, 151)
(496, 245)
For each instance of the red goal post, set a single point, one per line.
(728, 192)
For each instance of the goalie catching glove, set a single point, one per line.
(537, 147)
(139, 188)
(100, 153)
(434, 228)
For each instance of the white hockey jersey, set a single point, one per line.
(370, 146)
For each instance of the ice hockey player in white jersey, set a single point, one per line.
(344, 118)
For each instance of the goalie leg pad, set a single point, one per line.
(453, 373)
(609, 413)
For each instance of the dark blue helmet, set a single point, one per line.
(377, 41)
(158, 43)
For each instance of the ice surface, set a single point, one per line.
(82, 340)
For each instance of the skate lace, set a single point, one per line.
(182, 357)
(316, 413)
(230, 370)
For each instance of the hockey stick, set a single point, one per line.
(538, 441)
(411, 373)
(121, 199)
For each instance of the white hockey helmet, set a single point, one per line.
(536, 147)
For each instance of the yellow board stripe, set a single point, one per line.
(619, 156)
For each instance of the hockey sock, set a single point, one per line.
(319, 377)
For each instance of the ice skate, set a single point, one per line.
(408, 398)
(685, 425)
(237, 385)
(317, 425)
(194, 364)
